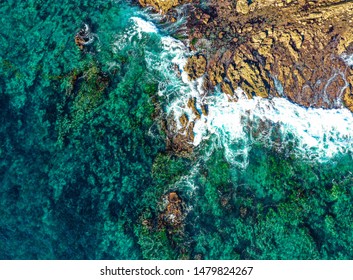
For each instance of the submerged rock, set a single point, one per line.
(179, 141)
(173, 215)
(84, 37)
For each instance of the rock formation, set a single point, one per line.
(195, 66)
(173, 215)
(278, 48)
(290, 48)
(297, 49)
(162, 6)
(84, 37)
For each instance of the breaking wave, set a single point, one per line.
(235, 126)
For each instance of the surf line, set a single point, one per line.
(318, 133)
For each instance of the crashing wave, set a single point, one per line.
(316, 133)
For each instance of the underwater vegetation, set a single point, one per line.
(84, 169)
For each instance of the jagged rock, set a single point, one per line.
(84, 37)
(173, 198)
(190, 132)
(291, 48)
(192, 105)
(80, 42)
(179, 141)
(348, 100)
(226, 88)
(195, 66)
(215, 72)
(173, 215)
(242, 7)
(204, 109)
(184, 120)
(162, 6)
(348, 93)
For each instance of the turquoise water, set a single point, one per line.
(83, 160)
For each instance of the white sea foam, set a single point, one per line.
(187, 183)
(137, 28)
(320, 133)
(348, 59)
(144, 26)
(176, 90)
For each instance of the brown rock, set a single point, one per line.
(79, 42)
(195, 66)
(242, 7)
(184, 120)
(192, 105)
(173, 197)
(179, 141)
(204, 109)
(173, 215)
(226, 88)
(298, 43)
(190, 132)
(348, 92)
(162, 6)
(348, 100)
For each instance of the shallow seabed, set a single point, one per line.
(83, 161)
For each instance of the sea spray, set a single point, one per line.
(143, 26)
(320, 134)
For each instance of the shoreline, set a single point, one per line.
(295, 50)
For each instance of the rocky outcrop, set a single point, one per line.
(296, 49)
(278, 48)
(84, 37)
(179, 140)
(162, 6)
(195, 66)
(348, 94)
(192, 106)
(173, 215)
(184, 120)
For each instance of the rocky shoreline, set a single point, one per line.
(297, 49)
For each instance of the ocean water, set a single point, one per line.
(83, 161)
